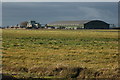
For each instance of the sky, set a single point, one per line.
(60, 0)
(119, 15)
(0, 13)
(46, 12)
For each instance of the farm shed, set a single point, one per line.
(33, 24)
(82, 24)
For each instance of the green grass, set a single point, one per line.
(24, 50)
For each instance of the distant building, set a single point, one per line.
(96, 24)
(83, 24)
(43, 26)
(33, 24)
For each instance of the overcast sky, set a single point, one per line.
(0, 13)
(46, 12)
(60, 0)
(51, 1)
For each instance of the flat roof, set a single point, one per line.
(69, 22)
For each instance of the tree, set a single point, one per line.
(23, 24)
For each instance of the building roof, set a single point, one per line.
(69, 22)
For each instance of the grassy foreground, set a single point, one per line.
(60, 53)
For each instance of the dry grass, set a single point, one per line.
(36, 53)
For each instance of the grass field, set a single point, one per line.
(60, 53)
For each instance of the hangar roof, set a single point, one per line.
(69, 22)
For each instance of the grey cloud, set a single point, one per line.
(0, 14)
(14, 13)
